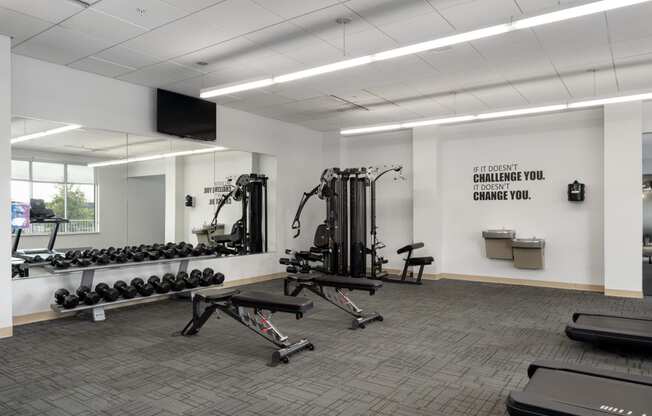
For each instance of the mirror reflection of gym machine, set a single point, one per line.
(340, 243)
(248, 234)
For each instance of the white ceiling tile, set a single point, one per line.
(193, 86)
(632, 48)
(293, 8)
(192, 5)
(388, 12)
(323, 23)
(501, 96)
(20, 26)
(103, 26)
(216, 24)
(580, 42)
(127, 57)
(421, 28)
(101, 67)
(363, 43)
(424, 107)
(479, 13)
(60, 45)
(461, 103)
(296, 91)
(587, 84)
(51, 11)
(634, 73)
(260, 101)
(156, 12)
(542, 91)
(532, 7)
(510, 47)
(631, 22)
(160, 74)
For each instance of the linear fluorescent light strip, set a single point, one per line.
(45, 133)
(156, 157)
(497, 114)
(543, 19)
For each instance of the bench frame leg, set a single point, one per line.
(257, 320)
(337, 297)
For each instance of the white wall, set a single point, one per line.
(566, 147)
(5, 190)
(145, 210)
(622, 203)
(53, 92)
(393, 198)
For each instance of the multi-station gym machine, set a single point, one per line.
(340, 245)
(248, 234)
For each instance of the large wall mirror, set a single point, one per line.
(99, 189)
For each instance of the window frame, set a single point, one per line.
(66, 184)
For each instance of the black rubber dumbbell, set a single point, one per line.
(191, 282)
(126, 291)
(218, 278)
(137, 256)
(175, 284)
(109, 294)
(159, 286)
(168, 253)
(64, 298)
(101, 258)
(144, 289)
(87, 296)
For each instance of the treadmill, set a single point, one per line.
(611, 330)
(560, 389)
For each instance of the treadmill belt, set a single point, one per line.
(564, 389)
(616, 323)
(615, 330)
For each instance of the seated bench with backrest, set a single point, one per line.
(253, 310)
(411, 262)
(331, 288)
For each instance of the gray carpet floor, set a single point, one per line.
(445, 348)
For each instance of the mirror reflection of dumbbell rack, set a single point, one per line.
(88, 276)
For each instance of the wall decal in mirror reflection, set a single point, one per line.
(121, 190)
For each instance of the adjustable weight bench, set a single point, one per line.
(410, 262)
(253, 310)
(331, 288)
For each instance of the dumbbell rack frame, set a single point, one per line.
(88, 276)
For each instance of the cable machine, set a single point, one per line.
(340, 243)
(248, 234)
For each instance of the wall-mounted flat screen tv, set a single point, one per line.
(184, 116)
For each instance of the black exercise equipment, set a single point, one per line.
(101, 258)
(175, 284)
(126, 291)
(560, 389)
(64, 298)
(248, 234)
(87, 296)
(158, 285)
(331, 288)
(340, 243)
(109, 294)
(191, 282)
(38, 214)
(253, 310)
(610, 330)
(143, 289)
(411, 262)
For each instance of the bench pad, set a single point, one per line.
(409, 247)
(418, 261)
(348, 282)
(270, 302)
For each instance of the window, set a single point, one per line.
(69, 190)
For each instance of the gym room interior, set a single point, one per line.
(326, 207)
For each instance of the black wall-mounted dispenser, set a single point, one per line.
(576, 191)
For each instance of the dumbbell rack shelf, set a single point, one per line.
(88, 275)
(98, 309)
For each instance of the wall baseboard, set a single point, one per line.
(624, 293)
(50, 315)
(6, 332)
(522, 282)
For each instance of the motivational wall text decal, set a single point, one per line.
(497, 182)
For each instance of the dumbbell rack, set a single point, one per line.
(88, 276)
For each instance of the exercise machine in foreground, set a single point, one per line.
(557, 389)
(253, 310)
(410, 262)
(331, 288)
(340, 243)
(610, 330)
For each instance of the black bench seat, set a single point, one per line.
(419, 261)
(348, 283)
(272, 302)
